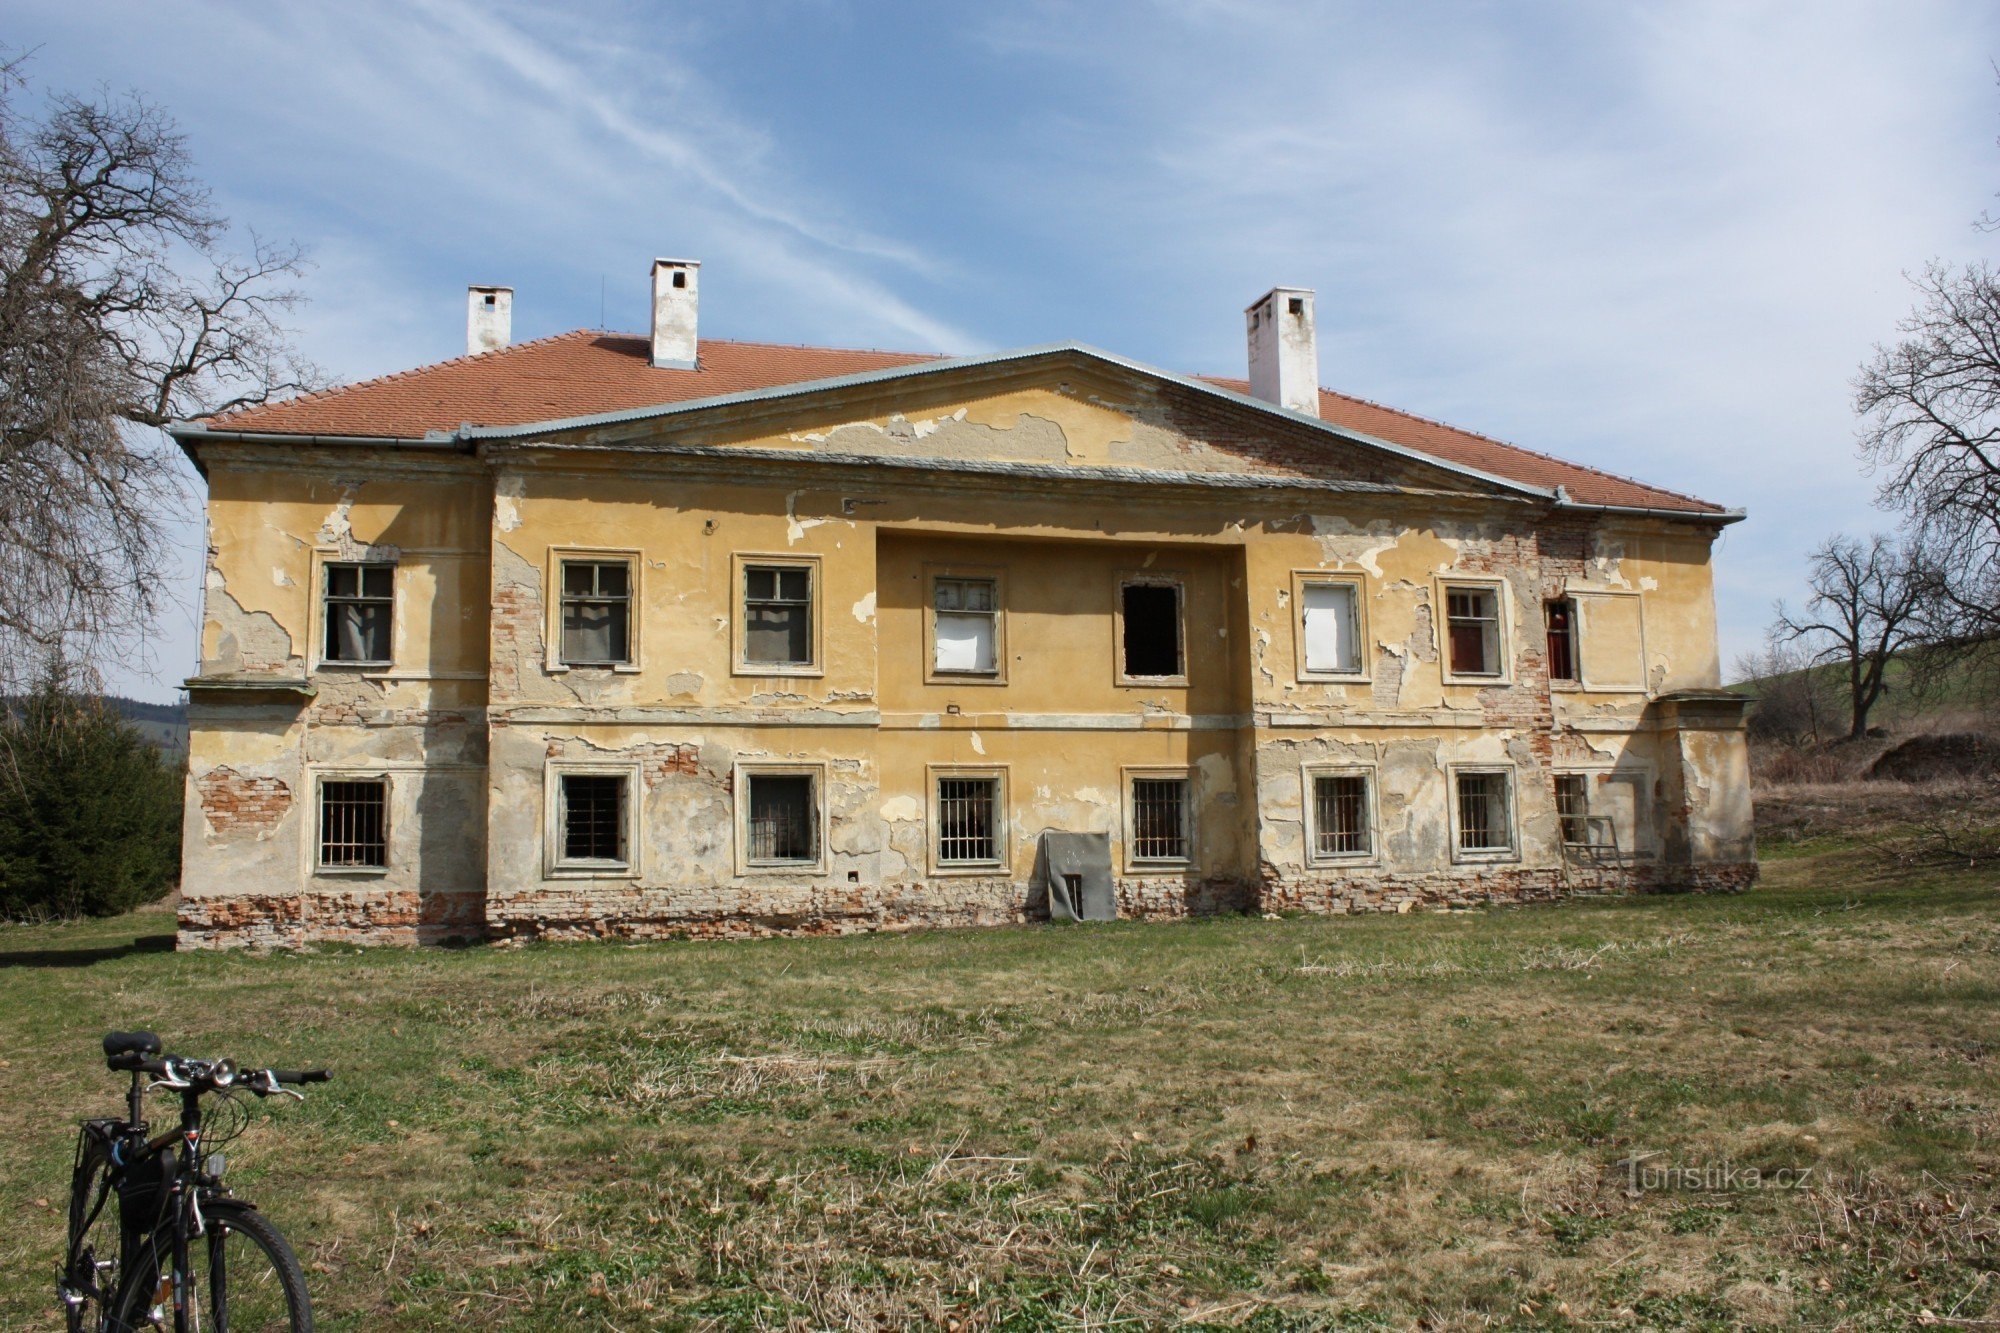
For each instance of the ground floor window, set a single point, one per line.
(968, 821)
(593, 818)
(1340, 815)
(353, 823)
(1159, 830)
(1573, 807)
(1485, 817)
(782, 825)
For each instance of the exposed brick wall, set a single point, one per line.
(365, 917)
(233, 803)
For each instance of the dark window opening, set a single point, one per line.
(359, 603)
(680, 278)
(777, 615)
(1573, 807)
(1482, 813)
(1340, 815)
(593, 817)
(1159, 819)
(1562, 638)
(1152, 614)
(1298, 305)
(1473, 616)
(967, 831)
(784, 820)
(354, 824)
(596, 613)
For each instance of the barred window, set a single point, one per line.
(353, 823)
(1484, 822)
(360, 599)
(1340, 814)
(777, 615)
(1473, 616)
(1159, 819)
(1573, 807)
(784, 819)
(593, 817)
(1561, 614)
(967, 821)
(596, 613)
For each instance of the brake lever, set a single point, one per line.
(172, 1081)
(271, 1086)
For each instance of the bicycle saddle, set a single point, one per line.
(132, 1043)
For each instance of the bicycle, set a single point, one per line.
(184, 1253)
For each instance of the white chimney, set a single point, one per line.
(489, 318)
(1284, 350)
(676, 298)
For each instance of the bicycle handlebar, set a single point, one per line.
(128, 1052)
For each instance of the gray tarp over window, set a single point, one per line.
(1074, 870)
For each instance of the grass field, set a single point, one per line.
(1240, 1123)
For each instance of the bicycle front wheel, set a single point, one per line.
(242, 1278)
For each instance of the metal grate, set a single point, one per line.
(783, 824)
(1482, 812)
(593, 816)
(354, 823)
(1340, 815)
(1573, 807)
(1159, 819)
(966, 827)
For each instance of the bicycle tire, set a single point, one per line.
(225, 1218)
(93, 1223)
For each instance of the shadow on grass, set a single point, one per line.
(86, 956)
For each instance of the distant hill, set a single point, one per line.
(164, 725)
(1965, 698)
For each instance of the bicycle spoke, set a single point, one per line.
(235, 1284)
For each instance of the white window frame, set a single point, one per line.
(320, 778)
(934, 827)
(635, 574)
(1190, 820)
(1309, 578)
(1154, 579)
(1309, 774)
(1483, 855)
(740, 564)
(1502, 629)
(554, 864)
(997, 576)
(740, 798)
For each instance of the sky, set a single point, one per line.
(1656, 238)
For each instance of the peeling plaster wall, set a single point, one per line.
(475, 716)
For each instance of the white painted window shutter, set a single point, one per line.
(1330, 627)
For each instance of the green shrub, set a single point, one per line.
(89, 812)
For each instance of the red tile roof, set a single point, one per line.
(587, 372)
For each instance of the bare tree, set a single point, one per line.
(121, 308)
(1792, 705)
(1866, 607)
(1931, 409)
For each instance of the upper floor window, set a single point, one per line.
(596, 613)
(1330, 623)
(1561, 615)
(1150, 639)
(965, 626)
(777, 615)
(360, 601)
(1472, 616)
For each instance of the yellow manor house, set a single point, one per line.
(627, 635)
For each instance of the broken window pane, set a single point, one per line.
(966, 825)
(1573, 807)
(1483, 821)
(1152, 614)
(359, 602)
(1331, 627)
(777, 615)
(1159, 819)
(1473, 616)
(964, 626)
(784, 821)
(593, 817)
(1340, 814)
(596, 613)
(1561, 613)
(354, 823)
